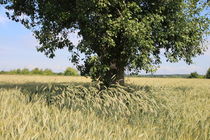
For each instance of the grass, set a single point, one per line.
(57, 107)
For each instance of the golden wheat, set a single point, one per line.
(58, 107)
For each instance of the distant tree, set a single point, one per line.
(12, 72)
(2, 72)
(194, 75)
(25, 71)
(47, 72)
(116, 34)
(59, 73)
(208, 74)
(70, 72)
(36, 71)
(18, 71)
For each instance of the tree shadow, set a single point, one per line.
(32, 90)
(37, 88)
(40, 88)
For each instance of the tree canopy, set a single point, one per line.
(208, 74)
(116, 35)
(71, 72)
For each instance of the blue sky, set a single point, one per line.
(18, 50)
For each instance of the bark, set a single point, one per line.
(120, 77)
(115, 75)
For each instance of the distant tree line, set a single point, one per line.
(191, 75)
(161, 75)
(73, 72)
(36, 71)
(196, 75)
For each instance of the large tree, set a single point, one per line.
(116, 35)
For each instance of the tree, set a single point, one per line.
(2, 72)
(25, 71)
(70, 72)
(194, 75)
(47, 72)
(116, 34)
(208, 74)
(36, 71)
(18, 71)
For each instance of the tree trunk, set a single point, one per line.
(114, 76)
(120, 76)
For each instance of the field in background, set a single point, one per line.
(166, 109)
(141, 81)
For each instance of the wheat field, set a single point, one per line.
(63, 108)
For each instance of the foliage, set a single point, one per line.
(2, 72)
(17, 71)
(25, 71)
(194, 75)
(161, 75)
(116, 34)
(37, 111)
(208, 74)
(71, 71)
(36, 71)
(48, 72)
